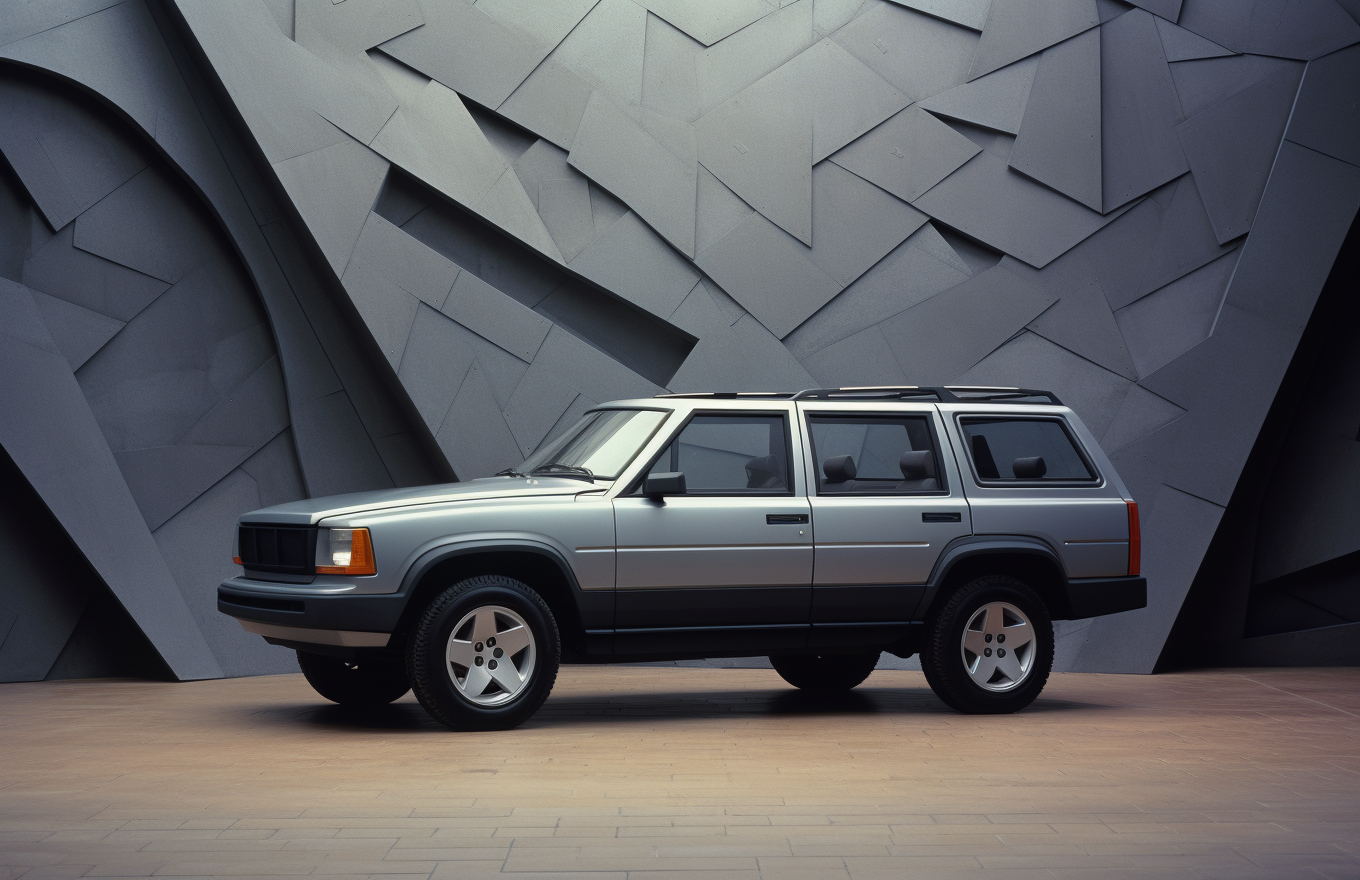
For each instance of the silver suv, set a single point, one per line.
(818, 529)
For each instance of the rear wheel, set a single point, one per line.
(364, 682)
(825, 673)
(484, 654)
(989, 647)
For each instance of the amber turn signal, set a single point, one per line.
(345, 551)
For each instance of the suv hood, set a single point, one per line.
(312, 510)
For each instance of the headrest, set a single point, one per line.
(918, 465)
(839, 468)
(1031, 468)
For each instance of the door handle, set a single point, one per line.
(941, 517)
(781, 519)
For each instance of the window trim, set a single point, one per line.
(634, 489)
(1095, 481)
(840, 415)
(634, 457)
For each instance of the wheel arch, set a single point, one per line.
(539, 566)
(1028, 559)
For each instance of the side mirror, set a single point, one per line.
(1029, 468)
(658, 486)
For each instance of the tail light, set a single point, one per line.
(1135, 539)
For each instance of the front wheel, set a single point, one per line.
(989, 647)
(484, 654)
(366, 682)
(825, 673)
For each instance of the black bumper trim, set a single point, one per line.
(354, 613)
(1096, 597)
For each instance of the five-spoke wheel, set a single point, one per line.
(989, 646)
(484, 654)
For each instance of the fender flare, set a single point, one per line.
(973, 546)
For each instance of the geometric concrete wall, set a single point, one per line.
(527, 208)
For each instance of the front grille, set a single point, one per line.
(278, 549)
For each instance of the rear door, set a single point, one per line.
(877, 534)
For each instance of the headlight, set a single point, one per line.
(344, 551)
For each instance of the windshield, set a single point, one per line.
(603, 442)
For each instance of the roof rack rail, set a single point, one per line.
(938, 393)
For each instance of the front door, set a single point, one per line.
(885, 501)
(726, 567)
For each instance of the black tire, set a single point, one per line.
(946, 661)
(825, 673)
(364, 683)
(445, 688)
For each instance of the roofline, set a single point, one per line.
(939, 393)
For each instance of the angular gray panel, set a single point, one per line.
(613, 150)
(165, 479)
(386, 250)
(1202, 84)
(854, 223)
(969, 13)
(547, 23)
(745, 355)
(1034, 362)
(1119, 253)
(911, 274)
(862, 359)
(1170, 10)
(1139, 111)
(996, 100)
(1019, 28)
(1080, 321)
(709, 21)
(145, 225)
(348, 462)
(540, 163)
(908, 154)
(564, 205)
(606, 49)
(829, 16)
(733, 64)
(1230, 148)
(1182, 45)
(995, 205)
(763, 152)
(334, 190)
(274, 468)
(1165, 324)
(1309, 204)
(1320, 119)
(25, 19)
(768, 273)
(1141, 413)
(78, 332)
(943, 337)
(922, 56)
(65, 459)
(630, 261)
(718, 212)
(589, 371)
(469, 51)
(550, 103)
(537, 404)
(496, 317)
(1187, 241)
(353, 27)
(66, 158)
(507, 205)
(1059, 141)
(1302, 29)
(669, 83)
(438, 353)
(386, 309)
(1224, 22)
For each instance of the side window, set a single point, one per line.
(864, 455)
(1029, 450)
(730, 455)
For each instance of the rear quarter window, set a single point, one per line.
(1028, 450)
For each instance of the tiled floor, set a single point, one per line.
(632, 773)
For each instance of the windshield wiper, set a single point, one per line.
(509, 472)
(565, 470)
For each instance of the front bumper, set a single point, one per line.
(1096, 597)
(311, 618)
